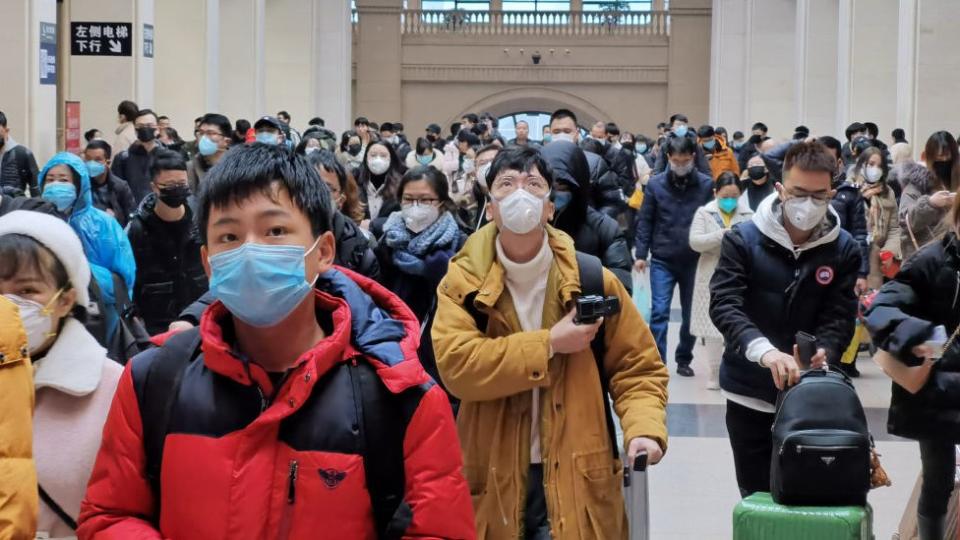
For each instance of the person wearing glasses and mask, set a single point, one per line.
(791, 268)
(532, 411)
(212, 143)
(133, 164)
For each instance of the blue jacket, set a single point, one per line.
(663, 224)
(104, 241)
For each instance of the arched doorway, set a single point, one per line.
(536, 99)
(537, 120)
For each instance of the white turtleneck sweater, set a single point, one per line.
(527, 283)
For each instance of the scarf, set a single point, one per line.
(409, 250)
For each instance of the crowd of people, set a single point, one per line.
(376, 336)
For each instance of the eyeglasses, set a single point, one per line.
(419, 201)
(210, 133)
(507, 184)
(819, 196)
(142, 126)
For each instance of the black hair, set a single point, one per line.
(872, 129)
(374, 126)
(468, 137)
(899, 135)
(361, 121)
(423, 145)
(593, 146)
(196, 121)
(144, 112)
(317, 121)
(436, 180)
(327, 160)
(680, 145)
(727, 178)
(519, 158)
(398, 126)
(219, 120)
(128, 110)
(162, 117)
(563, 113)
(759, 125)
(259, 169)
(172, 133)
(301, 147)
(679, 116)
(802, 129)
(240, 133)
(87, 135)
(854, 128)
(661, 125)
(721, 130)
(284, 114)
(737, 134)
(433, 128)
(832, 143)
(706, 130)
(166, 160)
(391, 178)
(100, 144)
(19, 252)
(471, 117)
(387, 126)
(612, 129)
(455, 128)
(345, 139)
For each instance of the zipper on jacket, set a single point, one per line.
(263, 399)
(292, 482)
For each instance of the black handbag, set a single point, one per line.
(131, 337)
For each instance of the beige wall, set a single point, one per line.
(873, 75)
(181, 62)
(937, 70)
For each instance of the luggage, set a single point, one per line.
(637, 497)
(758, 517)
(821, 444)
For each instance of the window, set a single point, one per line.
(536, 5)
(617, 5)
(466, 5)
(535, 119)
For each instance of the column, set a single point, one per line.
(187, 60)
(688, 79)
(815, 65)
(873, 69)
(801, 31)
(938, 70)
(332, 66)
(729, 54)
(100, 82)
(844, 53)
(29, 103)
(907, 69)
(379, 60)
(242, 59)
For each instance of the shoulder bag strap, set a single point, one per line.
(57, 509)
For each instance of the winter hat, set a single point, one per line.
(59, 238)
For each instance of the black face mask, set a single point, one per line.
(944, 170)
(175, 196)
(630, 146)
(353, 149)
(431, 137)
(146, 134)
(757, 172)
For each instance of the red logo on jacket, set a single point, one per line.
(824, 275)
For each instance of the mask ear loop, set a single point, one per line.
(313, 247)
(47, 312)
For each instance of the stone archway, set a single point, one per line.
(535, 98)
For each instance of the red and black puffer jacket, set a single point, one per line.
(238, 463)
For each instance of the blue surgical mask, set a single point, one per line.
(561, 199)
(266, 137)
(708, 145)
(60, 195)
(547, 138)
(207, 147)
(680, 131)
(641, 148)
(425, 160)
(95, 168)
(261, 284)
(727, 204)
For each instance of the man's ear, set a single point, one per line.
(326, 251)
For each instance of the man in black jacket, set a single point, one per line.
(18, 168)
(663, 230)
(679, 127)
(133, 164)
(110, 193)
(166, 245)
(790, 269)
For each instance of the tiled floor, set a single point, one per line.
(693, 490)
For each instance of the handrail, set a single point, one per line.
(552, 23)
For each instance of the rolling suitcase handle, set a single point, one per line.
(636, 496)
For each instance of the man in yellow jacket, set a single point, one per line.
(18, 477)
(532, 425)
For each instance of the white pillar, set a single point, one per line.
(730, 42)
(242, 64)
(844, 52)
(801, 33)
(331, 65)
(211, 49)
(187, 41)
(907, 70)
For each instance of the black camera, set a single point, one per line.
(590, 308)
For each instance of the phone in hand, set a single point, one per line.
(807, 348)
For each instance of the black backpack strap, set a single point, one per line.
(591, 284)
(160, 392)
(385, 418)
(57, 509)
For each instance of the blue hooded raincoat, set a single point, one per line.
(104, 242)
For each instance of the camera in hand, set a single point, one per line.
(590, 308)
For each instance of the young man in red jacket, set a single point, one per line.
(298, 408)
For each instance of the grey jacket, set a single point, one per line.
(920, 222)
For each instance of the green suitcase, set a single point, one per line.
(759, 518)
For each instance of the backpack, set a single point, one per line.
(382, 432)
(591, 283)
(130, 337)
(821, 444)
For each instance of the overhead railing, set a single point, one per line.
(535, 23)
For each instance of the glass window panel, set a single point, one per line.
(466, 5)
(613, 5)
(536, 5)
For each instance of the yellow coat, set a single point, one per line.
(494, 372)
(18, 478)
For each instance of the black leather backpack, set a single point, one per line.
(821, 444)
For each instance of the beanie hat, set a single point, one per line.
(59, 238)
